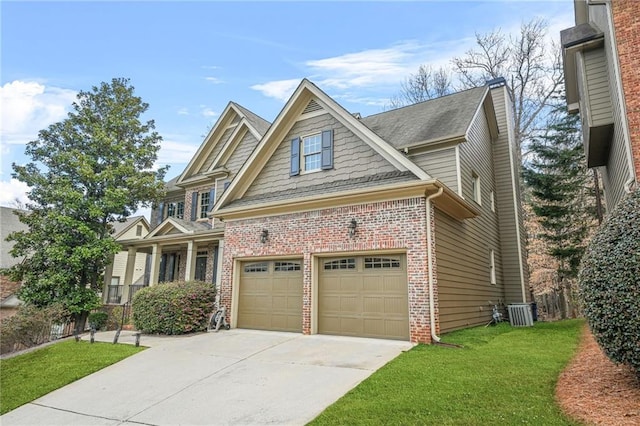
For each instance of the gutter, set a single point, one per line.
(432, 313)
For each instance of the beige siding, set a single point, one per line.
(617, 171)
(353, 158)
(439, 164)
(510, 218)
(240, 154)
(465, 292)
(120, 265)
(216, 150)
(598, 87)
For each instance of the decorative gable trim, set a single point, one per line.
(299, 101)
(234, 140)
(165, 227)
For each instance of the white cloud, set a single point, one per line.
(183, 111)
(28, 107)
(13, 190)
(280, 89)
(174, 152)
(208, 112)
(214, 80)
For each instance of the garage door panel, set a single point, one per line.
(371, 299)
(270, 299)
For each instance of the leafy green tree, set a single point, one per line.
(86, 172)
(560, 195)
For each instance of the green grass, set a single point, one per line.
(503, 375)
(32, 375)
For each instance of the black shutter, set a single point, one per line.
(212, 197)
(215, 264)
(194, 206)
(295, 157)
(160, 212)
(327, 149)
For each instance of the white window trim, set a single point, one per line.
(493, 201)
(492, 267)
(303, 169)
(200, 196)
(476, 188)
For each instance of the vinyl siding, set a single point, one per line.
(353, 158)
(120, 265)
(617, 171)
(465, 292)
(439, 164)
(510, 217)
(595, 65)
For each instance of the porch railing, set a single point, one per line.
(133, 289)
(115, 294)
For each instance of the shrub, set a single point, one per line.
(609, 282)
(173, 308)
(30, 326)
(98, 319)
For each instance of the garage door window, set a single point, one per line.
(256, 267)
(347, 263)
(381, 262)
(286, 266)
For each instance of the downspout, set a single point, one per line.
(432, 304)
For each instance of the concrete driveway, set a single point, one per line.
(231, 377)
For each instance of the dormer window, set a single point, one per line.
(312, 153)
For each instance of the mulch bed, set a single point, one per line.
(594, 390)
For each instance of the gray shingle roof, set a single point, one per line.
(259, 123)
(327, 188)
(193, 226)
(435, 119)
(118, 227)
(171, 185)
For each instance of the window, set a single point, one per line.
(493, 201)
(349, 263)
(201, 266)
(380, 262)
(139, 231)
(475, 187)
(180, 210)
(286, 266)
(256, 267)
(311, 152)
(171, 209)
(204, 205)
(492, 267)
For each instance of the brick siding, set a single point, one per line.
(388, 225)
(626, 21)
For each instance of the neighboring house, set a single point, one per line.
(601, 66)
(401, 225)
(9, 223)
(126, 274)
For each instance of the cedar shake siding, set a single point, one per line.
(353, 158)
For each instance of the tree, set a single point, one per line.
(86, 172)
(561, 199)
(425, 84)
(531, 67)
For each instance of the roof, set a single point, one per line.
(260, 124)
(171, 185)
(119, 228)
(328, 187)
(437, 119)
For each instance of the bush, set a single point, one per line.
(30, 326)
(98, 319)
(173, 308)
(609, 282)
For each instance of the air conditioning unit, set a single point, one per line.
(520, 315)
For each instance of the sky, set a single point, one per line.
(187, 60)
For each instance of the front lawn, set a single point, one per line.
(503, 375)
(32, 375)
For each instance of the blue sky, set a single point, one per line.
(189, 59)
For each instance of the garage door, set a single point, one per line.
(364, 296)
(270, 295)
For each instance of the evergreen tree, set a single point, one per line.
(87, 171)
(561, 198)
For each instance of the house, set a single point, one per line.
(9, 223)
(400, 225)
(124, 269)
(601, 60)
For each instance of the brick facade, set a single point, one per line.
(389, 225)
(626, 21)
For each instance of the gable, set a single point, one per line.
(169, 227)
(239, 154)
(208, 161)
(352, 158)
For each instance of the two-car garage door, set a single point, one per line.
(363, 296)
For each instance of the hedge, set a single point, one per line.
(173, 308)
(609, 283)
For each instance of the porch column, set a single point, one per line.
(154, 273)
(108, 273)
(190, 269)
(128, 272)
